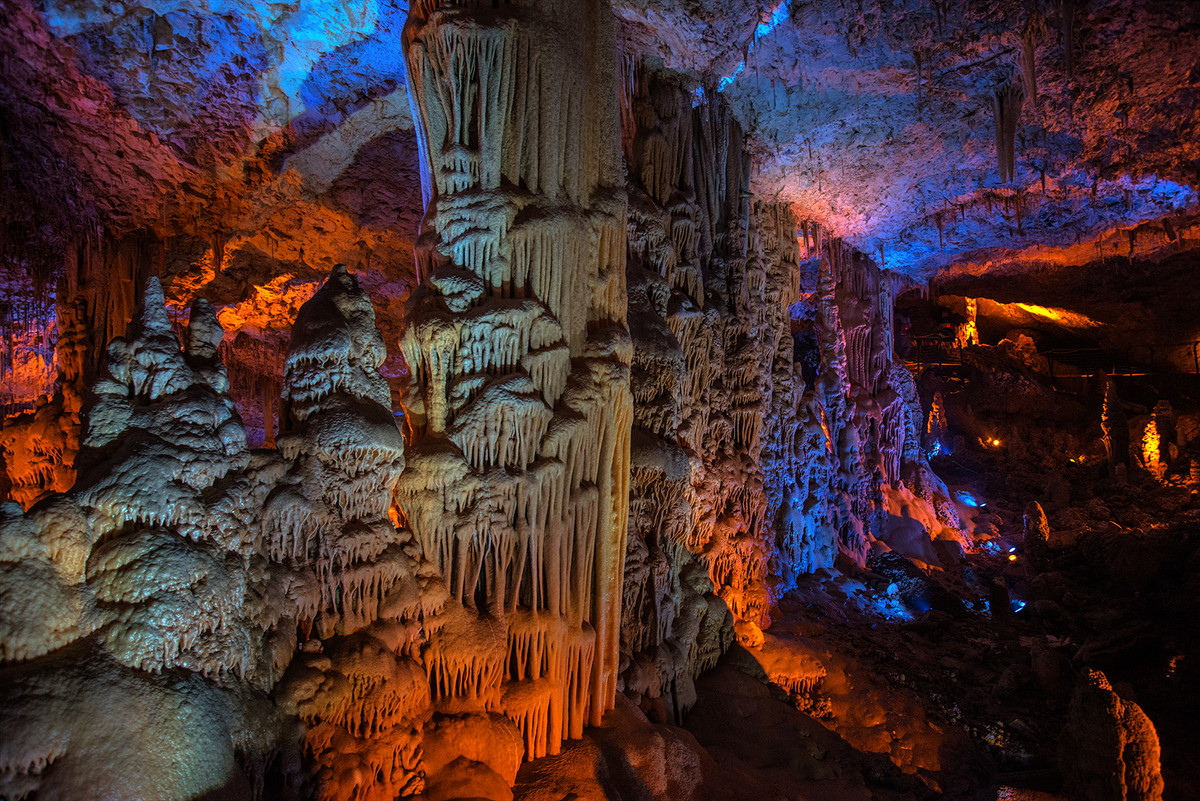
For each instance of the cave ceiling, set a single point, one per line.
(875, 120)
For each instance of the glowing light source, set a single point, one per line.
(764, 27)
(1062, 316)
(271, 306)
(1041, 311)
(1151, 454)
(777, 16)
(728, 79)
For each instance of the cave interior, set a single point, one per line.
(640, 400)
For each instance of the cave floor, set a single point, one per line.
(894, 682)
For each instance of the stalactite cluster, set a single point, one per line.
(64, 340)
(255, 366)
(743, 477)
(516, 340)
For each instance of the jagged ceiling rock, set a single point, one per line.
(704, 37)
(184, 116)
(175, 62)
(877, 120)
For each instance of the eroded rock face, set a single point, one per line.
(1109, 748)
(191, 590)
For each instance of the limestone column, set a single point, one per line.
(517, 485)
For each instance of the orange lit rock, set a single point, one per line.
(39, 452)
(1109, 749)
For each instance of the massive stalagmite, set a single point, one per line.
(141, 595)
(181, 569)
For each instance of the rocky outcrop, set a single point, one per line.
(1108, 751)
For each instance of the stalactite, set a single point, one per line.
(1006, 103)
(1066, 22)
(1029, 41)
(1114, 427)
(27, 351)
(255, 368)
(918, 55)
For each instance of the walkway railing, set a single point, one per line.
(932, 351)
(1075, 363)
(1134, 360)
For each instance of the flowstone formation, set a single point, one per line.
(612, 450)
(710, 279)
(517, 483)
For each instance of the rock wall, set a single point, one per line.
(743, 476)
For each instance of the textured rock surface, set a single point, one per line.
(1109, 749)
(551, 348)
